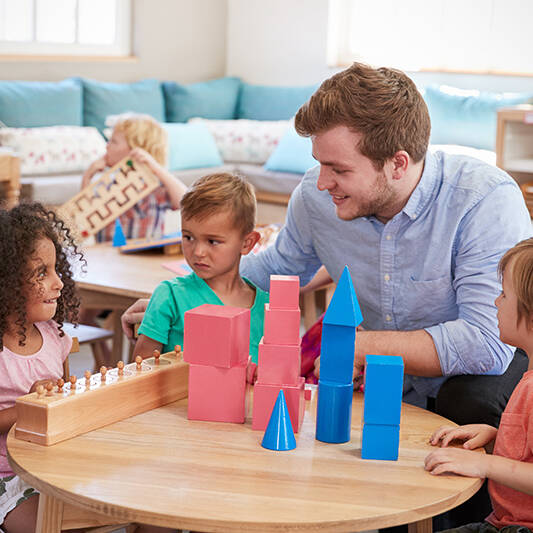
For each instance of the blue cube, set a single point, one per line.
(380, 442)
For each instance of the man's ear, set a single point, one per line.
(249, 241)
(400, 163)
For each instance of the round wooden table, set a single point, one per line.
(162, 469)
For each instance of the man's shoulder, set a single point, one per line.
(472, 175)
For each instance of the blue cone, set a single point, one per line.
(118, 236)
(279, 435)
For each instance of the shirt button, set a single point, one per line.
(386, 277)
(388, 237)
(414, 217)
(388, 318)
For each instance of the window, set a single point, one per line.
(65, 27)
(479, 36)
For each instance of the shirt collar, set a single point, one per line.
(425, 190)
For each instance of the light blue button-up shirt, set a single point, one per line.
(433, 266)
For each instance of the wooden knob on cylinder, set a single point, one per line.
(73, 380)
(40, 391)
(103, 372)
(49, 388)
(138, 362)
(60, 383)
(157, 355)
(120, 367)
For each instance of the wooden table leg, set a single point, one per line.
(422, 526)
(49, 515)
(117, 337)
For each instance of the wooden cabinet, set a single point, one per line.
(514, 142)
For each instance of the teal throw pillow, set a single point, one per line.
(191, 146)
(214, 99)
(293, 154)
(467, 117)
(35, 104)
(101, 99)
(264, 102)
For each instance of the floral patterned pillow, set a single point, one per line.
(54, 149)
(245, 141)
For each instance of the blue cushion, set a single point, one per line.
(191, 146)
(263, 102)
(33, 104)
(467, 117)
(214, 99)
(101, 99)
(293, 154)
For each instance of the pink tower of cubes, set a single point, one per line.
(216, 345)
(279, 355)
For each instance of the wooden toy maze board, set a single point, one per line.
(53, 415)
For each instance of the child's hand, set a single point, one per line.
(42, 382)
(96, 166)
(457, 461)
(142, 156)
(473, 435)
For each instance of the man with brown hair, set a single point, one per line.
(422, 234)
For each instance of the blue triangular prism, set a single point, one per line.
(344, 309)
(118, 236)
(279, 435)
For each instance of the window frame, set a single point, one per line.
(120, 49)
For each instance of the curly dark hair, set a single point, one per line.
(20, 230)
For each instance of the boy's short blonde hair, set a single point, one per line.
(521, 257)
(143, 131)
(221, 192)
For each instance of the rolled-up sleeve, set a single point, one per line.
(470, 344)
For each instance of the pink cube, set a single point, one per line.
(282, 326)
(217, 394)
(265, 395)
(284, 292)
(279, 363)
(217, 335)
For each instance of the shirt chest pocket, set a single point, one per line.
(429, 302)
(511, 438)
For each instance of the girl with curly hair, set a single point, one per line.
(37, 295)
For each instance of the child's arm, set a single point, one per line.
(473, 436)
(175, 188)
(8, 417)
(145, 347)
(97, 166)
(517, 475)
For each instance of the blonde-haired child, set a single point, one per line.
(37, 296)
(217, 224)
(141, 138)
(509, 468)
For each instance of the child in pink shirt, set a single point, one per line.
(509, 468)
(36, 297)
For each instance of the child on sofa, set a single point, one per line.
(217, 224)
(510, 467)
(142, 139)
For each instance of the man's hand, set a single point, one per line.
(457, 461)
(473, 435)
(133, 315)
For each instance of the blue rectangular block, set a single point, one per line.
(337, 353)
(383, 389)
(380, 442)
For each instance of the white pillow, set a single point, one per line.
(243, 140)
(54, 149)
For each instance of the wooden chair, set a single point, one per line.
(90, 335)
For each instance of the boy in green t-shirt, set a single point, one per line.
(217, 224)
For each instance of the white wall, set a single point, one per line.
(179, 40)
(285, 42)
